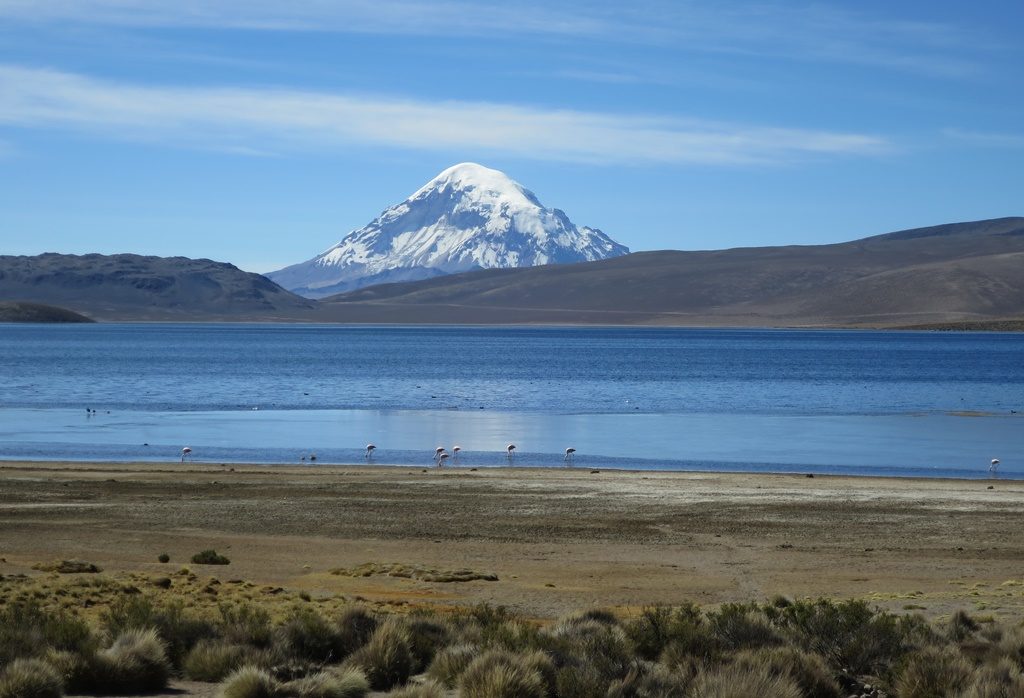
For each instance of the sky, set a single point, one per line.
(260, 132)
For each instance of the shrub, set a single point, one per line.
(30, 678)
(498, 674)
(450, 662)
(164, 557)
(213, 660)
(806, 669)
(933, 672)
(246, 624)
(580, 681)
(649, 680)
(1011, 646)
(425, 638)
(727, 682)
(347, 684)
(738, 626)
(27, 630)
(659, 626)
(386, 659)
(306, 635)
(209, 557)
(251, 682)
(136, 662)
(179, 630)
(850, 635)
(427, 689)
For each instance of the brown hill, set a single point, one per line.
(132, 287)
(950, 273)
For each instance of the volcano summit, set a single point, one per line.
(468, 217)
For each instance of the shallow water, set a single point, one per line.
(896, 403)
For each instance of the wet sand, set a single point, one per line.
(558, 540)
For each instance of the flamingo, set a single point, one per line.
(369, 451)
(569, 454)
(186, 452)
(510, 450)
(441, 459)
(456, 450)
(437, 453)
(993, 466)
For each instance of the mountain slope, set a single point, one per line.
(132, 287)
(468, 217)
(965, 271)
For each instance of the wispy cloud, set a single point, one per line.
(986, 139)
(269, 120)
(767, 29)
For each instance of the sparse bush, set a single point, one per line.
(580, 681)
(246, 624)
(306, 635)
(740, 626)
(1011, 646)
(209, 557)
(136, 662)
(659, 626)
(164, 557)
(213, 660)
(450, 662)
(30, 678)
(933, 672)
(728, 682)
(541, 663)
(179, 630)
(27, 630)
(605, 648)
(806, 669)
(347, 684)
(386, 659)
(252, 682)
(498, 674)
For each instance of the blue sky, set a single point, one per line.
(261, 131)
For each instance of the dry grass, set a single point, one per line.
(424, 574)
(30, 678)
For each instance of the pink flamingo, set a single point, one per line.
(456, 450)
(569, 453)
(370, 448)
(510, 450)
(441, 459)
(186, 452)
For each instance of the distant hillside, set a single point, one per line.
(37, 312)
(951, 273)
(132, 287)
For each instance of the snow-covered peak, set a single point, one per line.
(467, 217)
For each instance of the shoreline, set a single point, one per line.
(557, 540)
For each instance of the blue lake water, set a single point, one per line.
(856, 402)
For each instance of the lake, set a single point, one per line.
(818, 401)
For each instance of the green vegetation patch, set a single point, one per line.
(419, 572)
(210, 557)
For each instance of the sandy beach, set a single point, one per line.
(557, 540)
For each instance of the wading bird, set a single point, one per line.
(437, 453)
(510, 450)
(369, 451)
(993, 466)
(569, 453)
(456, 450)
(186, 453)
(441, 459)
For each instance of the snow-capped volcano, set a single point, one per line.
(468, 217)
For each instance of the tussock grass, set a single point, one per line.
(30, 678)
(386, 659)
(213, 660)
(355, 626)
(350, 683)
(252, 682)
(806, 669)
(649, 680)
(307, 635)
(427, 689)
(498, 674)
(744, 682)
(136, 662)
(999, 679)
(933, 672)
(450, 662)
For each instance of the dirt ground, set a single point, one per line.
(558, 540)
